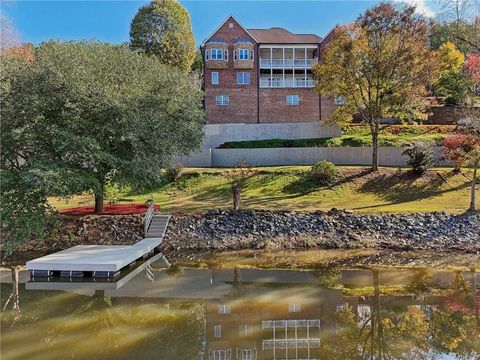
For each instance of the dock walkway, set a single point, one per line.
(102, 260)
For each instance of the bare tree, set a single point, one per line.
(459, 12)
(239, 177)
(9, 37)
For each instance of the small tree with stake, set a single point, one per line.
(239, 177)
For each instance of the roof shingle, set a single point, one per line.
(279, 35)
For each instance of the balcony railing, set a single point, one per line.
(286, 83)
(287, 63)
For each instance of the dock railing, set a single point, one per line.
(148, 216)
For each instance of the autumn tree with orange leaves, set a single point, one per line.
(380, 66)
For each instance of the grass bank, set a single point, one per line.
(358, 135)
(277, 188)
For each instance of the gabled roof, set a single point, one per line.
(221, 24)
(277, 35)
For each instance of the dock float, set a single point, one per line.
(100, 261)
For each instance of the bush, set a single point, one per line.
(457, 148)
(324, 172)
(420, 157)
(173, 171)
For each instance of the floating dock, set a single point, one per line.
(98, 261)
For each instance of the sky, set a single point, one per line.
(109, 21)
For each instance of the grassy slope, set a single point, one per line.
(287, 188)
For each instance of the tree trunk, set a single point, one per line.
(99, 198)
(236, 197)
(473, 189)
(374, 130)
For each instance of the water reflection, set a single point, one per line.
(156, 311)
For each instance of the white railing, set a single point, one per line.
(290, 343)
(300, 323)
(283, 83)
(148, 216)
(287, 63)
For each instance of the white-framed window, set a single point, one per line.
(214, 77)
(217, 331)
(225, 55)
(294, 308)
(243, 78)
(222, 100)
(216, 54)
(339, 100)
(293, 99)
(224, 308)
(244, 329)
(251, 54)
(207, 54)
(243, 54)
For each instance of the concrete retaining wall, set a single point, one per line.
(217, 134)
(388, 156)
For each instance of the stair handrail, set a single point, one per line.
(148, 215)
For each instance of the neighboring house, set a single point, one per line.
(256, 76)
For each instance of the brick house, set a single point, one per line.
(256, 76)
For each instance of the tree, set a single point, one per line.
(239, 177)
(86, 114)
(162, 28)
(462, 21)
(9, 37)
(457, 148)
(453, 82)
(380, 65)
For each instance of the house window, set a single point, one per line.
(251, 54)
(222, 100)
(223, 308)
(216, 54)
(207, 54)
(217, 331)
(339, 100)
(214, 78)
(294, 308)
(293, 99)
(243, 54)
(244, 329)
(243, 78)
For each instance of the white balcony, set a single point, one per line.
(287, 83)
(279, 63)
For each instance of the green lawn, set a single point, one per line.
(357, 135)
(391, 190)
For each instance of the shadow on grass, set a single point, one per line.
(306, 184)
(403, 187)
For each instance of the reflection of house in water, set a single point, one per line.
(258, 314)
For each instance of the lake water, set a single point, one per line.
(158, 310)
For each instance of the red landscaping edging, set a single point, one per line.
(127, 209)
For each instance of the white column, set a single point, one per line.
(283, 67)
(271, 67)
(293, 68)
(305, 64)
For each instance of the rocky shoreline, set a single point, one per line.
(222, 230)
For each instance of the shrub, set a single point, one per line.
(173, 171)
(457, 148)
(324, 172)
(420, 157)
